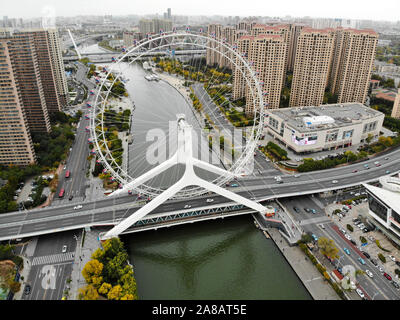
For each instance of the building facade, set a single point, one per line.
(396, 106)
(322, 128)
(311, 66)
(16, 146)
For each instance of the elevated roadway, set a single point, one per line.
(109, 211)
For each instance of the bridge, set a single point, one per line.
(107, 56)
(110, 211)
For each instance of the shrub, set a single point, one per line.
(382, 257)
(363, 240)
(350, 228)
(380, 247)
(397, 271)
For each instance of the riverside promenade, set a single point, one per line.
(314, 282)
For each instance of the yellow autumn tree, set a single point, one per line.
(88, 293)
(105, 288)
(92, 272)
(115, 293)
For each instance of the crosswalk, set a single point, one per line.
(53, 259)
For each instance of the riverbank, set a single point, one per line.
(314, 282)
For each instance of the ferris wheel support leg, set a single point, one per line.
(148, 175)
(230, 195)
(146, 209)
(209, 167)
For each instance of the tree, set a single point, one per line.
(92, 272)
(105, 288)
(88, 292)
(369, 138)
(328, 247)
(115, 293)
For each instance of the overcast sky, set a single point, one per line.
(353, 9)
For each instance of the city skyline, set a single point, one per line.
(311, 8)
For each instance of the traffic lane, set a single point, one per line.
(385, 286)
(52, 243)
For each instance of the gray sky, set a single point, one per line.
(353, 9)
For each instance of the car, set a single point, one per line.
(371, 238)
(369, 273)
(314, 237)
(307, 210)
(387, 171)
(64, 249)
(362, 261)
(70, 197)
(296, 175)
(354, 171)
(342, 230)
(360, 293)
(397, 263)
(365, 230)
(340, 270)
(395, 284)
(79, 206)
(27, 289)
(188, 206)
(209, 200)
(376, 162)
(313, 211)
(373, 261)
(353, 242)
(234, 185)
(340, 215)
(381, 270)
(347, 236)
(296, 209)
(386, 158)
(346, 250)
(322, 226)
(366, 254)
(392, 258)
(65, 167)
(387, 276)
(335, 181)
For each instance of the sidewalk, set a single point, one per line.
(82, 256)
(314, 282)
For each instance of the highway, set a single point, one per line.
(64, 217)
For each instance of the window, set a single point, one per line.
(377, 207)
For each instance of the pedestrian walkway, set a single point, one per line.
(53, 259)
(316, 285)
(83, 254)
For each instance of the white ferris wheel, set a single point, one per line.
(183, 48)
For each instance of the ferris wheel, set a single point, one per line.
(122, 140)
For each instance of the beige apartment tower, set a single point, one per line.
(16, 147)
(352, 63)
(267, 52)
(239, 74)
(311, 66)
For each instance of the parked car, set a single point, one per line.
(347, 236)
(307, 210)
(296, 209)
(398, 263)
(314, 237)
(353, 242)
(392, 258)
(381, 270)
(313, 211)
(365, 230)
(346, 250)
(369, 273)
(387, 276)
(366, 254)
(342, 230)
(371, 238)
(395, 284)
(373, 261)
(64, 249)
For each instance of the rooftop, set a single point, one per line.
(327, 116)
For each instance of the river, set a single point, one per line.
(220, 259)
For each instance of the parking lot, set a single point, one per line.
(360, 211)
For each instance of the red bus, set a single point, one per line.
(67, 174)
(61, 194)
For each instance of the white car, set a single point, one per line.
(342, 230)
(334, 181)
(209, 200)
(392, 258)
(347, 237)
(360, 293)
(187, 206)
(369, 273)
(296, 175)
(64, 249)
(381, 270)
(79, 206)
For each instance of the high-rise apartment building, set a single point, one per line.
(47, 66)
(16, 146)
(268, 53)
(239, 74)
(24, 61)
(311, 66)
(352, 63)
(154, 25)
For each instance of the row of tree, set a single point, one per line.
(109, 275)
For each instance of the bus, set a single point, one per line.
(61, 194)
(67, 174)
